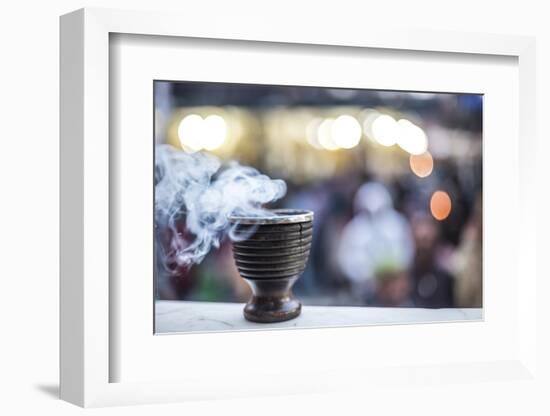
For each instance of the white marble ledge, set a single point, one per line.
(183, 316)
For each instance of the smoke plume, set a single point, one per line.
(195, 189)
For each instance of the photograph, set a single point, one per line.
(299, 206)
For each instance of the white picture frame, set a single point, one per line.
(87, 304)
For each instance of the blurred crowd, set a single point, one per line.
(387, 231)
(372, 254)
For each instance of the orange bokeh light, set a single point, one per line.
(422, 164)
(440, 205)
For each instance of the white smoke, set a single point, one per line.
(197, 189)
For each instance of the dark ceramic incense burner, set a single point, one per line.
(271, 252)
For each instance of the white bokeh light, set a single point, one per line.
(346, 132)
(190, 132)
(324, 135)
(215, 132)
(312, 132)
(196, 133)
(385, 130)
(411, 138)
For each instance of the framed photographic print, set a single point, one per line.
(291, 202)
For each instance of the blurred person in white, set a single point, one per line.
(468, 262)
(376, 248)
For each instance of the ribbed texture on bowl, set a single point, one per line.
(270, 251)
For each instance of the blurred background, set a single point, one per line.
(394, 179)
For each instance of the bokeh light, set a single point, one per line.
(324, 135)
(346, 132)
(215, 132)
(196, 133)
(440, 205)
(312, 132)
(422, 165)
(385, 130)
(190, 133)
(411, 138)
